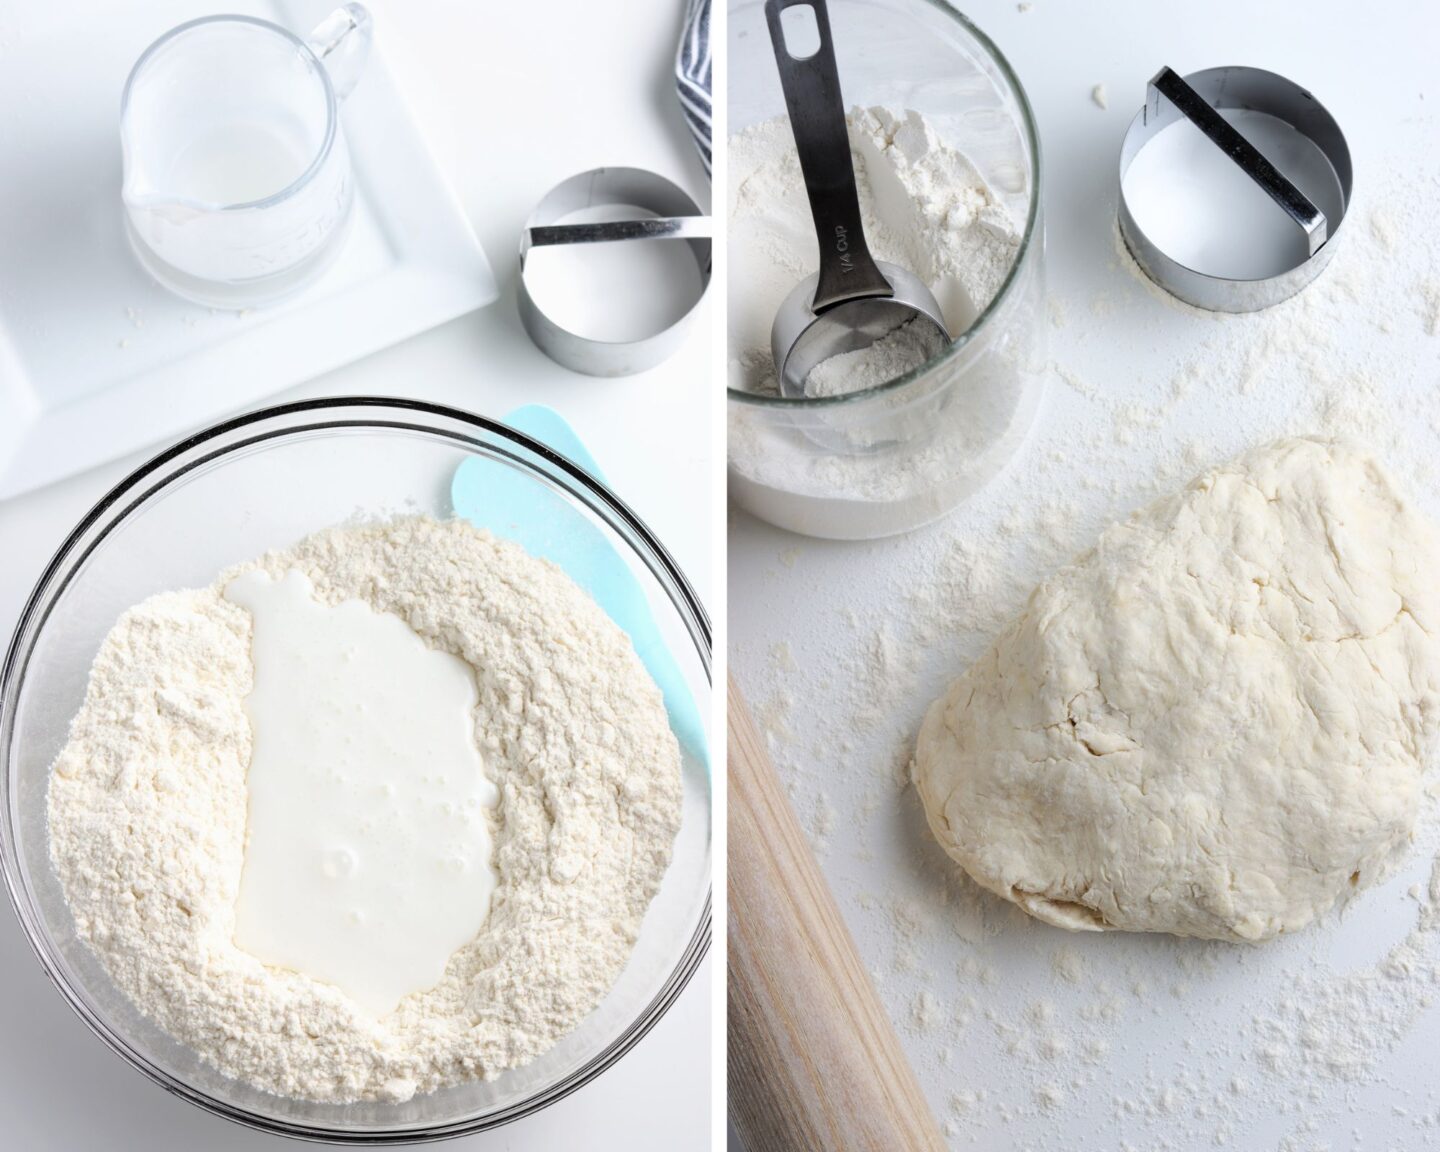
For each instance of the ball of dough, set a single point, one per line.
(1213, 724)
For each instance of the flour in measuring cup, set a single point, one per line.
(894, 354)
(147, 816)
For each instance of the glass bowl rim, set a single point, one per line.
(1002, 294)
(134, 487)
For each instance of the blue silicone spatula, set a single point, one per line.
(495, 496)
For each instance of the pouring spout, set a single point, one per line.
(138, 189)
(140, 196)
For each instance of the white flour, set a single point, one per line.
(147, 811)
(926, 208)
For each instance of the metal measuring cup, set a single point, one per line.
(854, 300)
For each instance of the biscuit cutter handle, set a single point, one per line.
(610, 231)
(1190, 104)
(813, 1060)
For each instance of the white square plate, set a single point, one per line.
(96, 360)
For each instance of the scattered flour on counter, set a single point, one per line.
(1429, 307)
(147, 815)
(782, 657)
(1068, 964)
(822, 824)
(1338, 1027)
(926, 1013)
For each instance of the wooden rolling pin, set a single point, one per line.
(814, 1062)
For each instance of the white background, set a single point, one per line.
(513, 97)
(1166, 1081)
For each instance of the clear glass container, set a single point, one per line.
(264, 481)
(888, 459)
(237, 185)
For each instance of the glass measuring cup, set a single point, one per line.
(237, 185)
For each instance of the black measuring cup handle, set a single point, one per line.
(817, 118)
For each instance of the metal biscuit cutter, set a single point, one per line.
(1191, 274)
(677, 217)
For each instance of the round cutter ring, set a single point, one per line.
(1199, 98)
(677, 218)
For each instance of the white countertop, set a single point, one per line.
(598, 91)
(821, 633)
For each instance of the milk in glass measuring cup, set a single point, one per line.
(237, 187)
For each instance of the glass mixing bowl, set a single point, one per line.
(263, 481)
(887, 459)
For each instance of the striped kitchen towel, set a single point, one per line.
(692, 74)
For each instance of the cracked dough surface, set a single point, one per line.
(1215, 722)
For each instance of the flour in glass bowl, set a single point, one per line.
(923, 205)
(878, 465)
(147, 817)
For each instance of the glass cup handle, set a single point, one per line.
(342, 42)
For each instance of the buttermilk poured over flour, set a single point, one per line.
(576, 801)
(368, 845)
